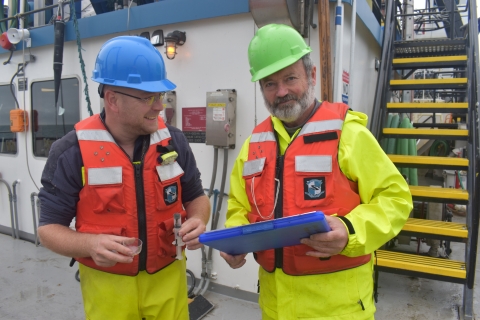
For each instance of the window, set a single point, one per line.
(52, 122)
(8, 139)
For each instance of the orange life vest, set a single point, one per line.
(126, 199)
(306, 178)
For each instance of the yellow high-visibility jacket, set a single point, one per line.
(386, 203)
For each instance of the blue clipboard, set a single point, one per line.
(277, 233)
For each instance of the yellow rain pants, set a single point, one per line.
(158, 296)
(332, 296)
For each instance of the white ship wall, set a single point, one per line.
(213, 57)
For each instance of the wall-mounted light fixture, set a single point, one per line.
(145, 35)
(157, 38)
(171, 41)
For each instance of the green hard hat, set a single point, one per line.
(274, 47)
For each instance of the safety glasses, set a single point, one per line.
(149, 101)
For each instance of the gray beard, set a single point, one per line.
(294, 109)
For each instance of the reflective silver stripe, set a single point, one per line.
(313, 163)
(253, 166)
(159, 135)
(169, 171)
(262, 137)
(101, 176)
(95, 135)
(321, 126)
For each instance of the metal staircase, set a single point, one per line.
(453, 88)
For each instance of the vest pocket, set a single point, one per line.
(108, 199)
(167, 185)
(166, 237)
(254, 184)
(106, 189)
(313, 181)
(100, 229)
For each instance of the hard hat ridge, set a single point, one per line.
(132, 62)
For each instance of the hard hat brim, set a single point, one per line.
(279, 65)
(148, 86)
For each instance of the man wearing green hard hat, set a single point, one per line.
(308, 156)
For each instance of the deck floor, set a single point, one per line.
(36, 283)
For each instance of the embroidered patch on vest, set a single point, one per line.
(314, 188)
(170, 193)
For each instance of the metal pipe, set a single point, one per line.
(302, 17)
(352, 50)
(20, 15)
(337, 78)
(39, 205)
(214, 172)
(11, 206)
(32, 201)
(207, 283)
(204, 273)
(15, 211)
(22, 11)
(216, 215)
(222, 189)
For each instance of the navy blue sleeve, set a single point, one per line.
(61, 182)
(191, 183)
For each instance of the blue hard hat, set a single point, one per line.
(132, 62)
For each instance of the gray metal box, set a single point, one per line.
(221, 119)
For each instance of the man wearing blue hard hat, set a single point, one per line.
(124, 175)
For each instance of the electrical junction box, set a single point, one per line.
(221, 118)
(170, 108)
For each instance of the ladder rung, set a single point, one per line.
(420, 264)
(451, 163)
(435, 125)
(444, 195)
(430, 59)
(456, 134)
(434, 227)
(429, 62)
(461, 107)
(446, 83)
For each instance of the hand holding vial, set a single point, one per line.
(133, 244)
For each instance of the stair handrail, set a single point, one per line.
(384, 69)
(473, 181)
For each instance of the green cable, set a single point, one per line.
(3, 27)
(437, 146)
(82, 63)
(460, 180)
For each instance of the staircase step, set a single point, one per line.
(430, 62)
(444, 195)
(436, 125)
(436, 229)
(428, 107)
(452, 134)
(449, 163)
(424, 84)
(429, 47)
(421, 266)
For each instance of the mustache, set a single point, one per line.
(286, 98)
